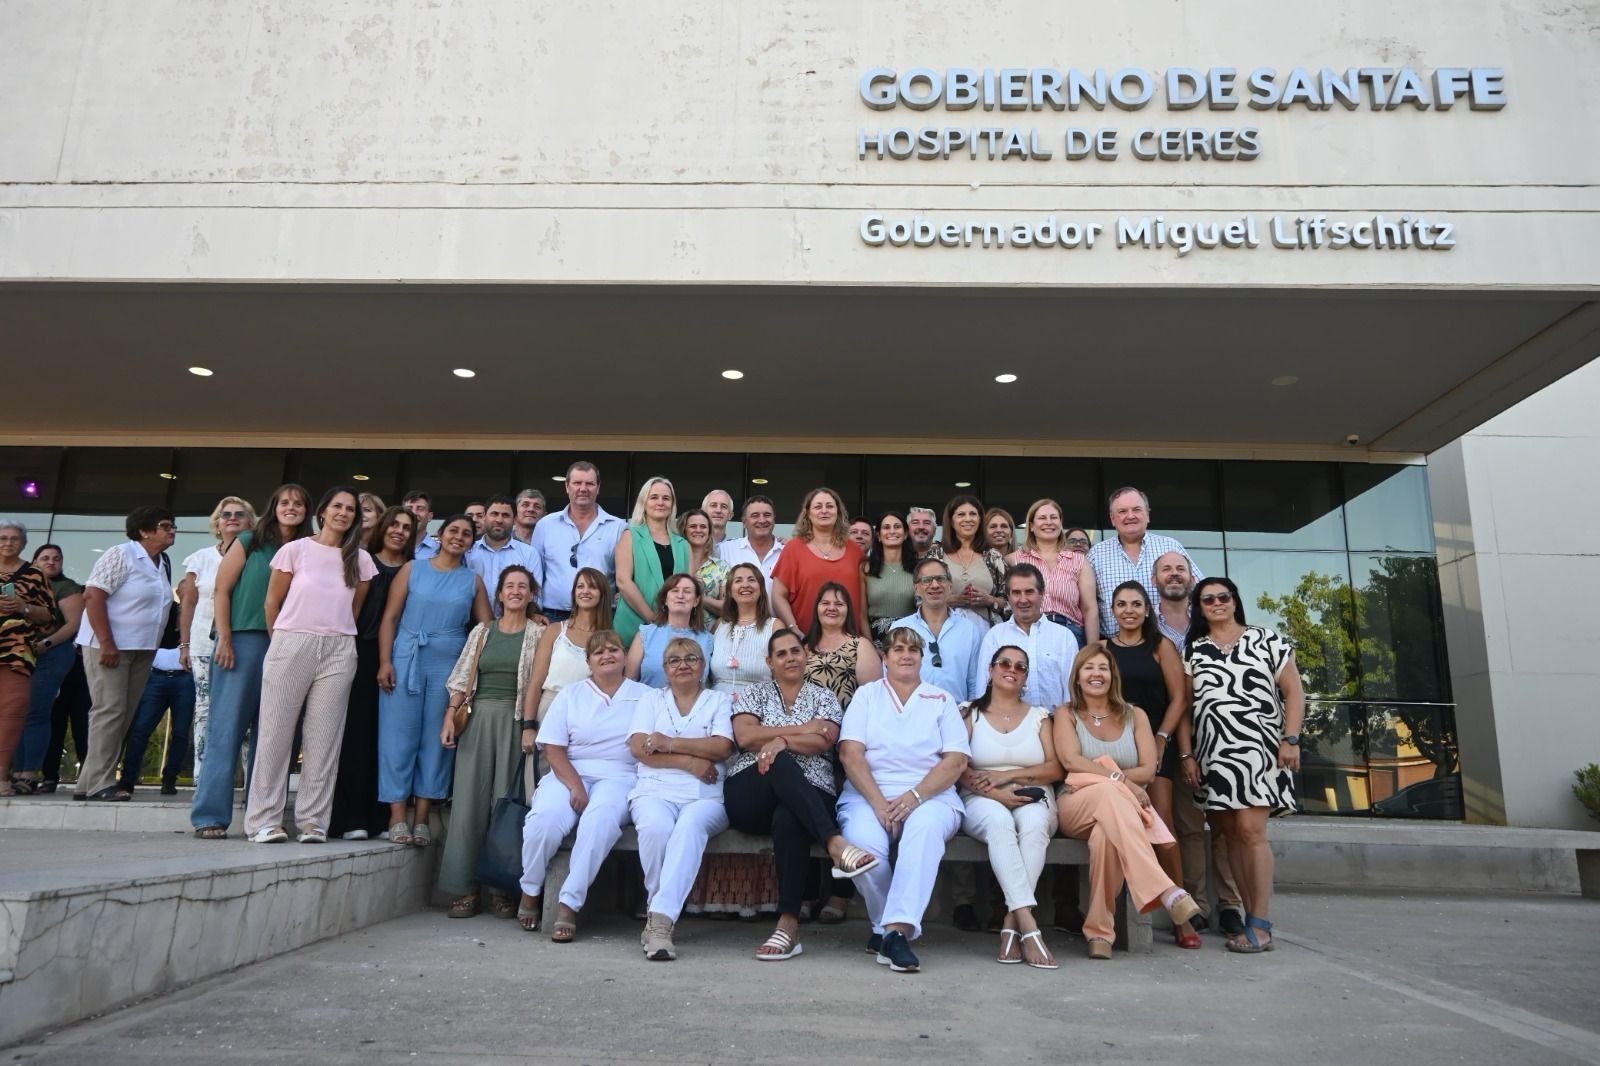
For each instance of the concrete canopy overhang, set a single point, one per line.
(870, 368)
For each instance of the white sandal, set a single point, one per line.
(788, 947)
(859, 859)
(1037, 937)
(1005, 946)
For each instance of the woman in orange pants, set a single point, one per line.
(1110, 755)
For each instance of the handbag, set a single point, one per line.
(500, 857)
(461, 717)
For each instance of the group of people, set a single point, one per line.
(867, 688)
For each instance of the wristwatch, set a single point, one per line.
(1292, 739)
(1116, 775)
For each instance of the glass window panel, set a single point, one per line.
(1414, 762)
(1210, 561)
(452, 479)
(787, 479)
(1387, 508)
(1333, 759)
(547, 472)
(1282, 505)
(319, 470)
(115, 480)
(28, 480)
(1183, 497)
(897, 482)
(194, 533)
(1015, 482)
(81, 548)
(206, 475)
(1402, 627)
(1306, 597)
(693, 474)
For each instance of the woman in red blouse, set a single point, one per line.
(817, 553)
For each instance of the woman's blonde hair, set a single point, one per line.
(1029, 541)
(216, 514)
(841, 525)
(1119, 706)
(644, 491)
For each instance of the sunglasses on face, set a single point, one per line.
(1007, 664)
(1223, 598)
(166, 527)
(675, 661)
(230, 515)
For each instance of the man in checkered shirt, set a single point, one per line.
(1131, 555)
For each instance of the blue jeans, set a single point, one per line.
(165, 689)
(1061, 619)
(48, 673)
(235, 705)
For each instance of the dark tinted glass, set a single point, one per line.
(1306, 597)
(1183, 497)
(1414, 762)
(29, 478)
(206, 475)
(1015, 483)
(896, 482)
(787, 479)
(547, 472)
(115, 480)
(319, 470)
(1387, 508)
(1333, 758)
(1402, 636)
(451, 479)
(1282, 505)
(693, 474)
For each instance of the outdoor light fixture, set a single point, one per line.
(200, 371)
(28, 488)
(463, 372)
(1005, 379)
(165, 476)
(963, 484)
(758, 481)
(733, 375)
(359, 477)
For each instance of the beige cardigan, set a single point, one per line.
(460, 681)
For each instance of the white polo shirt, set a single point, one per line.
(594, 728)
(711, 716)
(904, 742)
(740, 551)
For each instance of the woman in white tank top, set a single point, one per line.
(1012, 749)
(560, 658)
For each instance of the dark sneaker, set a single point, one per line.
(1230, 921)
(896, 954)
(875, 944)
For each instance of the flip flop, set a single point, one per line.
(859, 860)
(502, 906)
(400, 833)
(1038, 938)
(1009, 940)
(788, 947)
(465, 907)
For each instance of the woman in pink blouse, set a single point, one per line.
(1069, 591)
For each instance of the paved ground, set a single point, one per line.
(1357, 976)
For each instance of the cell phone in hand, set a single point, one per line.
(9, 589)
(1030, 792)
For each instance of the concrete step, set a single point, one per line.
(94, 919)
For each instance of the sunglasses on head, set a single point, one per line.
(1217, 597)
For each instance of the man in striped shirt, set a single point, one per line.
(1131, 555)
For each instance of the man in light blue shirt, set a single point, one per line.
(497, 548)
(1131, 555)
(421, 507)
(1051, 647)
(580, 534)
(952, 637)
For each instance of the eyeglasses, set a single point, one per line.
(933, 646)
(1007, 664)
(935, 579)
(233, 514)
(166, 527)
(1223, 598)
(674, 661)
(1078, 542)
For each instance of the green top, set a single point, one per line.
(892, 595)
(497, 667)
(648, 576)
(61, 588)
(249, 600)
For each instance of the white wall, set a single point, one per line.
(1518, 525)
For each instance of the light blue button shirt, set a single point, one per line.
(554, 540)
(1051, 647)
(959, 640)
(488, 562)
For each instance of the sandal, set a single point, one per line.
(109, 795)
(831, 915)
(502, 906)
(784, 946)
(24, 786)
(212, 832)
(529, 913)
(1099, 949)
(465, 907)
(858, 861)
(565, 928)
(1049, 962)
(1248, 944)
(400, 833)
(421, 835)
(1186, 936)
(1007, 942)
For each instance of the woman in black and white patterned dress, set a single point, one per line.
(1248, 706)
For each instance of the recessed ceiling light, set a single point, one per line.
(758, 481)
(733, 375)
(963, 484)
(463, 372)
(359, 477)
(200, 371)
(559, 477)
(1005, 379)
(1284, 379)
(169, 477)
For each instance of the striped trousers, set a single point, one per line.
(301, 669)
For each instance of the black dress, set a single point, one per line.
(355, 792)
(1145, 686)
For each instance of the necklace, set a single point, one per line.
(1097, 719)
(1119, 642)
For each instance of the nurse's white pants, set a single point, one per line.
(672, 838)
(551, 818)
(900, 895)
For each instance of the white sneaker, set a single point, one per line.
(355, 834)
(312, 835)
(272, 834)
